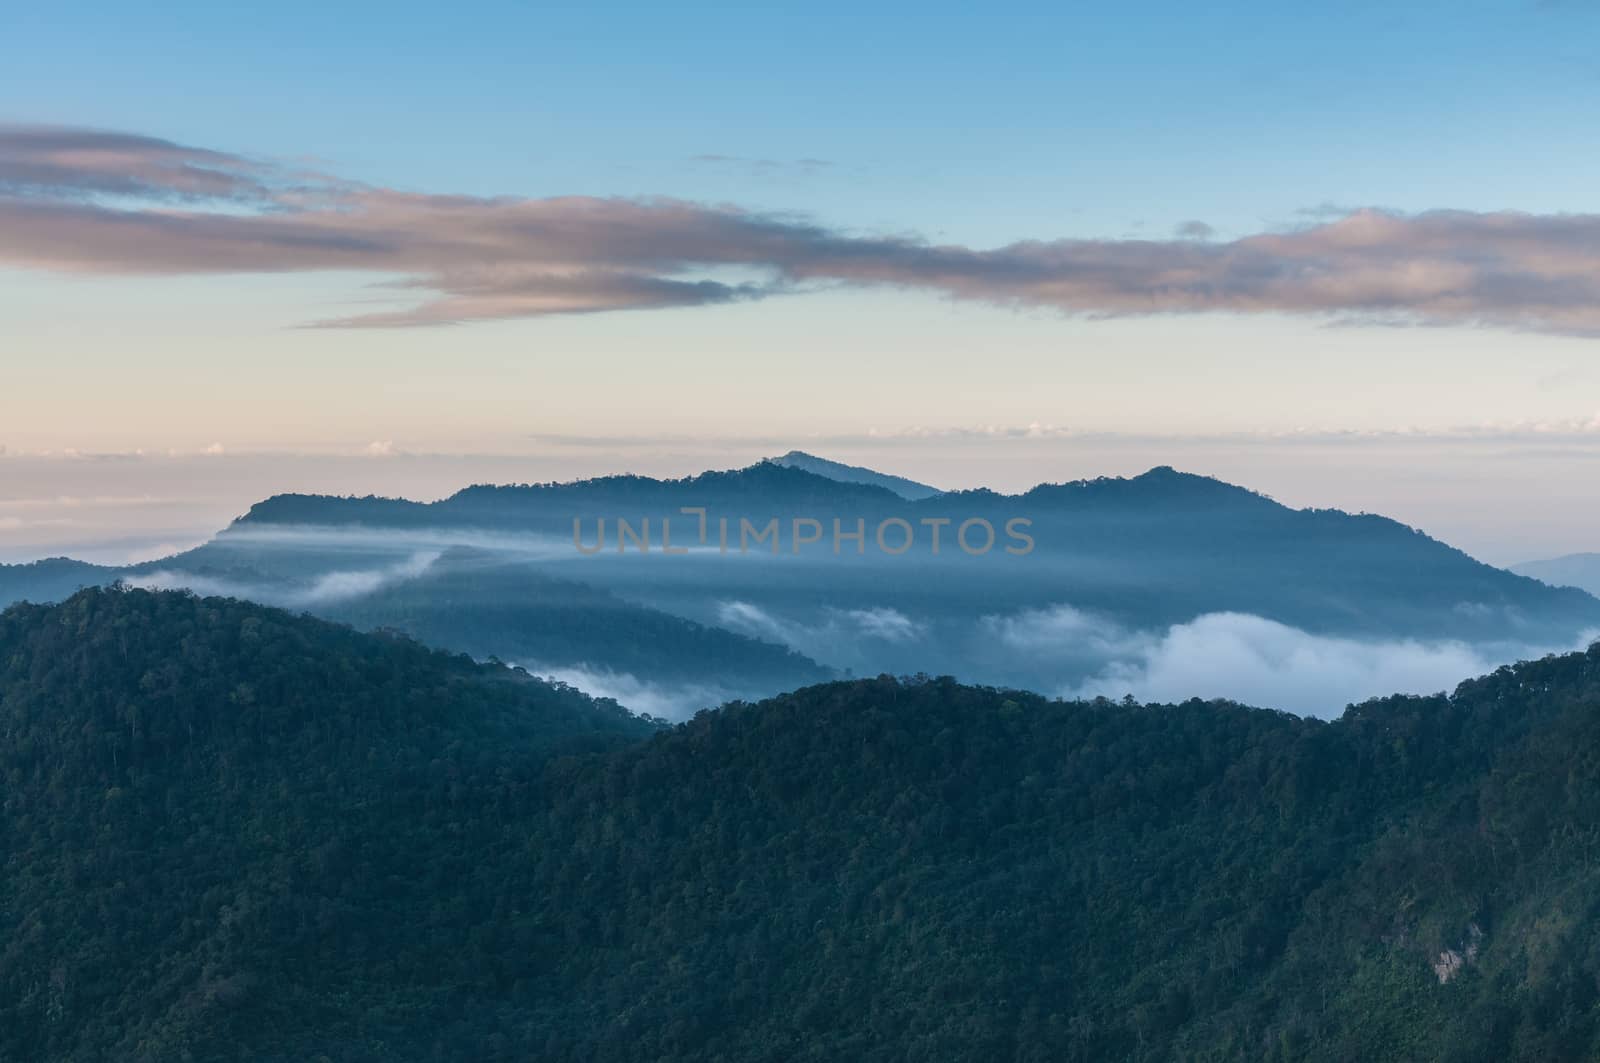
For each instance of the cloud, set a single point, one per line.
(757, 622)
(1060, 629)
(73, 163)
(338, 586)
(116, 203)
(664, 701)
(837, 636)
(328, 587)
(887, 624)
(1261, 662)
(1075, 653)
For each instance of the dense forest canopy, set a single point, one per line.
(230, 833)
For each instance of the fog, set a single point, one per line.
(1260, 662)
(665, 701)
(323, 589)
(1062, 649)
(1072, 653)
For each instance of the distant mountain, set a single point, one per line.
(231, 833)
(551, 507)
(1148, 551)
(1572, 570)
(49, 580)
(855, 474)
(1082, 582)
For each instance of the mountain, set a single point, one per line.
(1104, 585)
(551, 507)
(1571, 570)
(481, 602)
(49, 580)
(1149, 551)
(474, 601)
(855, 474)
(1131, 558)
(231, 833)
(188, 780)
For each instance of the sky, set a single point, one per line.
(1347, 255)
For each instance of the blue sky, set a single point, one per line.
(983, 124)
(889, 130)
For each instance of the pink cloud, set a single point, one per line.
(113, 203)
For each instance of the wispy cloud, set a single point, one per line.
(116, 203)
(57, 162)
(327, 587)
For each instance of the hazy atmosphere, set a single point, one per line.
(635, 533)
(1216, 271)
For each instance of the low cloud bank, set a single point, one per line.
(1260, 662)
(1250, 659)
(1072, 653)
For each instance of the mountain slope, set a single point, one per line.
(210, 806)
(1571, 570)
(474, 601)
(856, 474)
(49, 580)
(479, 602)
(230, 833)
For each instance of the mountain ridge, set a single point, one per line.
(906, 488)
(280, 508)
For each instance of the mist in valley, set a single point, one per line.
(744, 626)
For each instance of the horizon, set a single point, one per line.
(1346, 260)
(128, 508)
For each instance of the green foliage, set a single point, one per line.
(230, 834)
(220, 820)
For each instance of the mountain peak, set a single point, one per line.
(1161, 485)
(907, 489)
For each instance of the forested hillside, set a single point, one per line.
(234, 834)
(220, 819)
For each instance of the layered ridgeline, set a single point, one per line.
(1153, 550)
(1120, 585)
(490, 603)
(231, 834)
(51, 579)
(474, 601)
